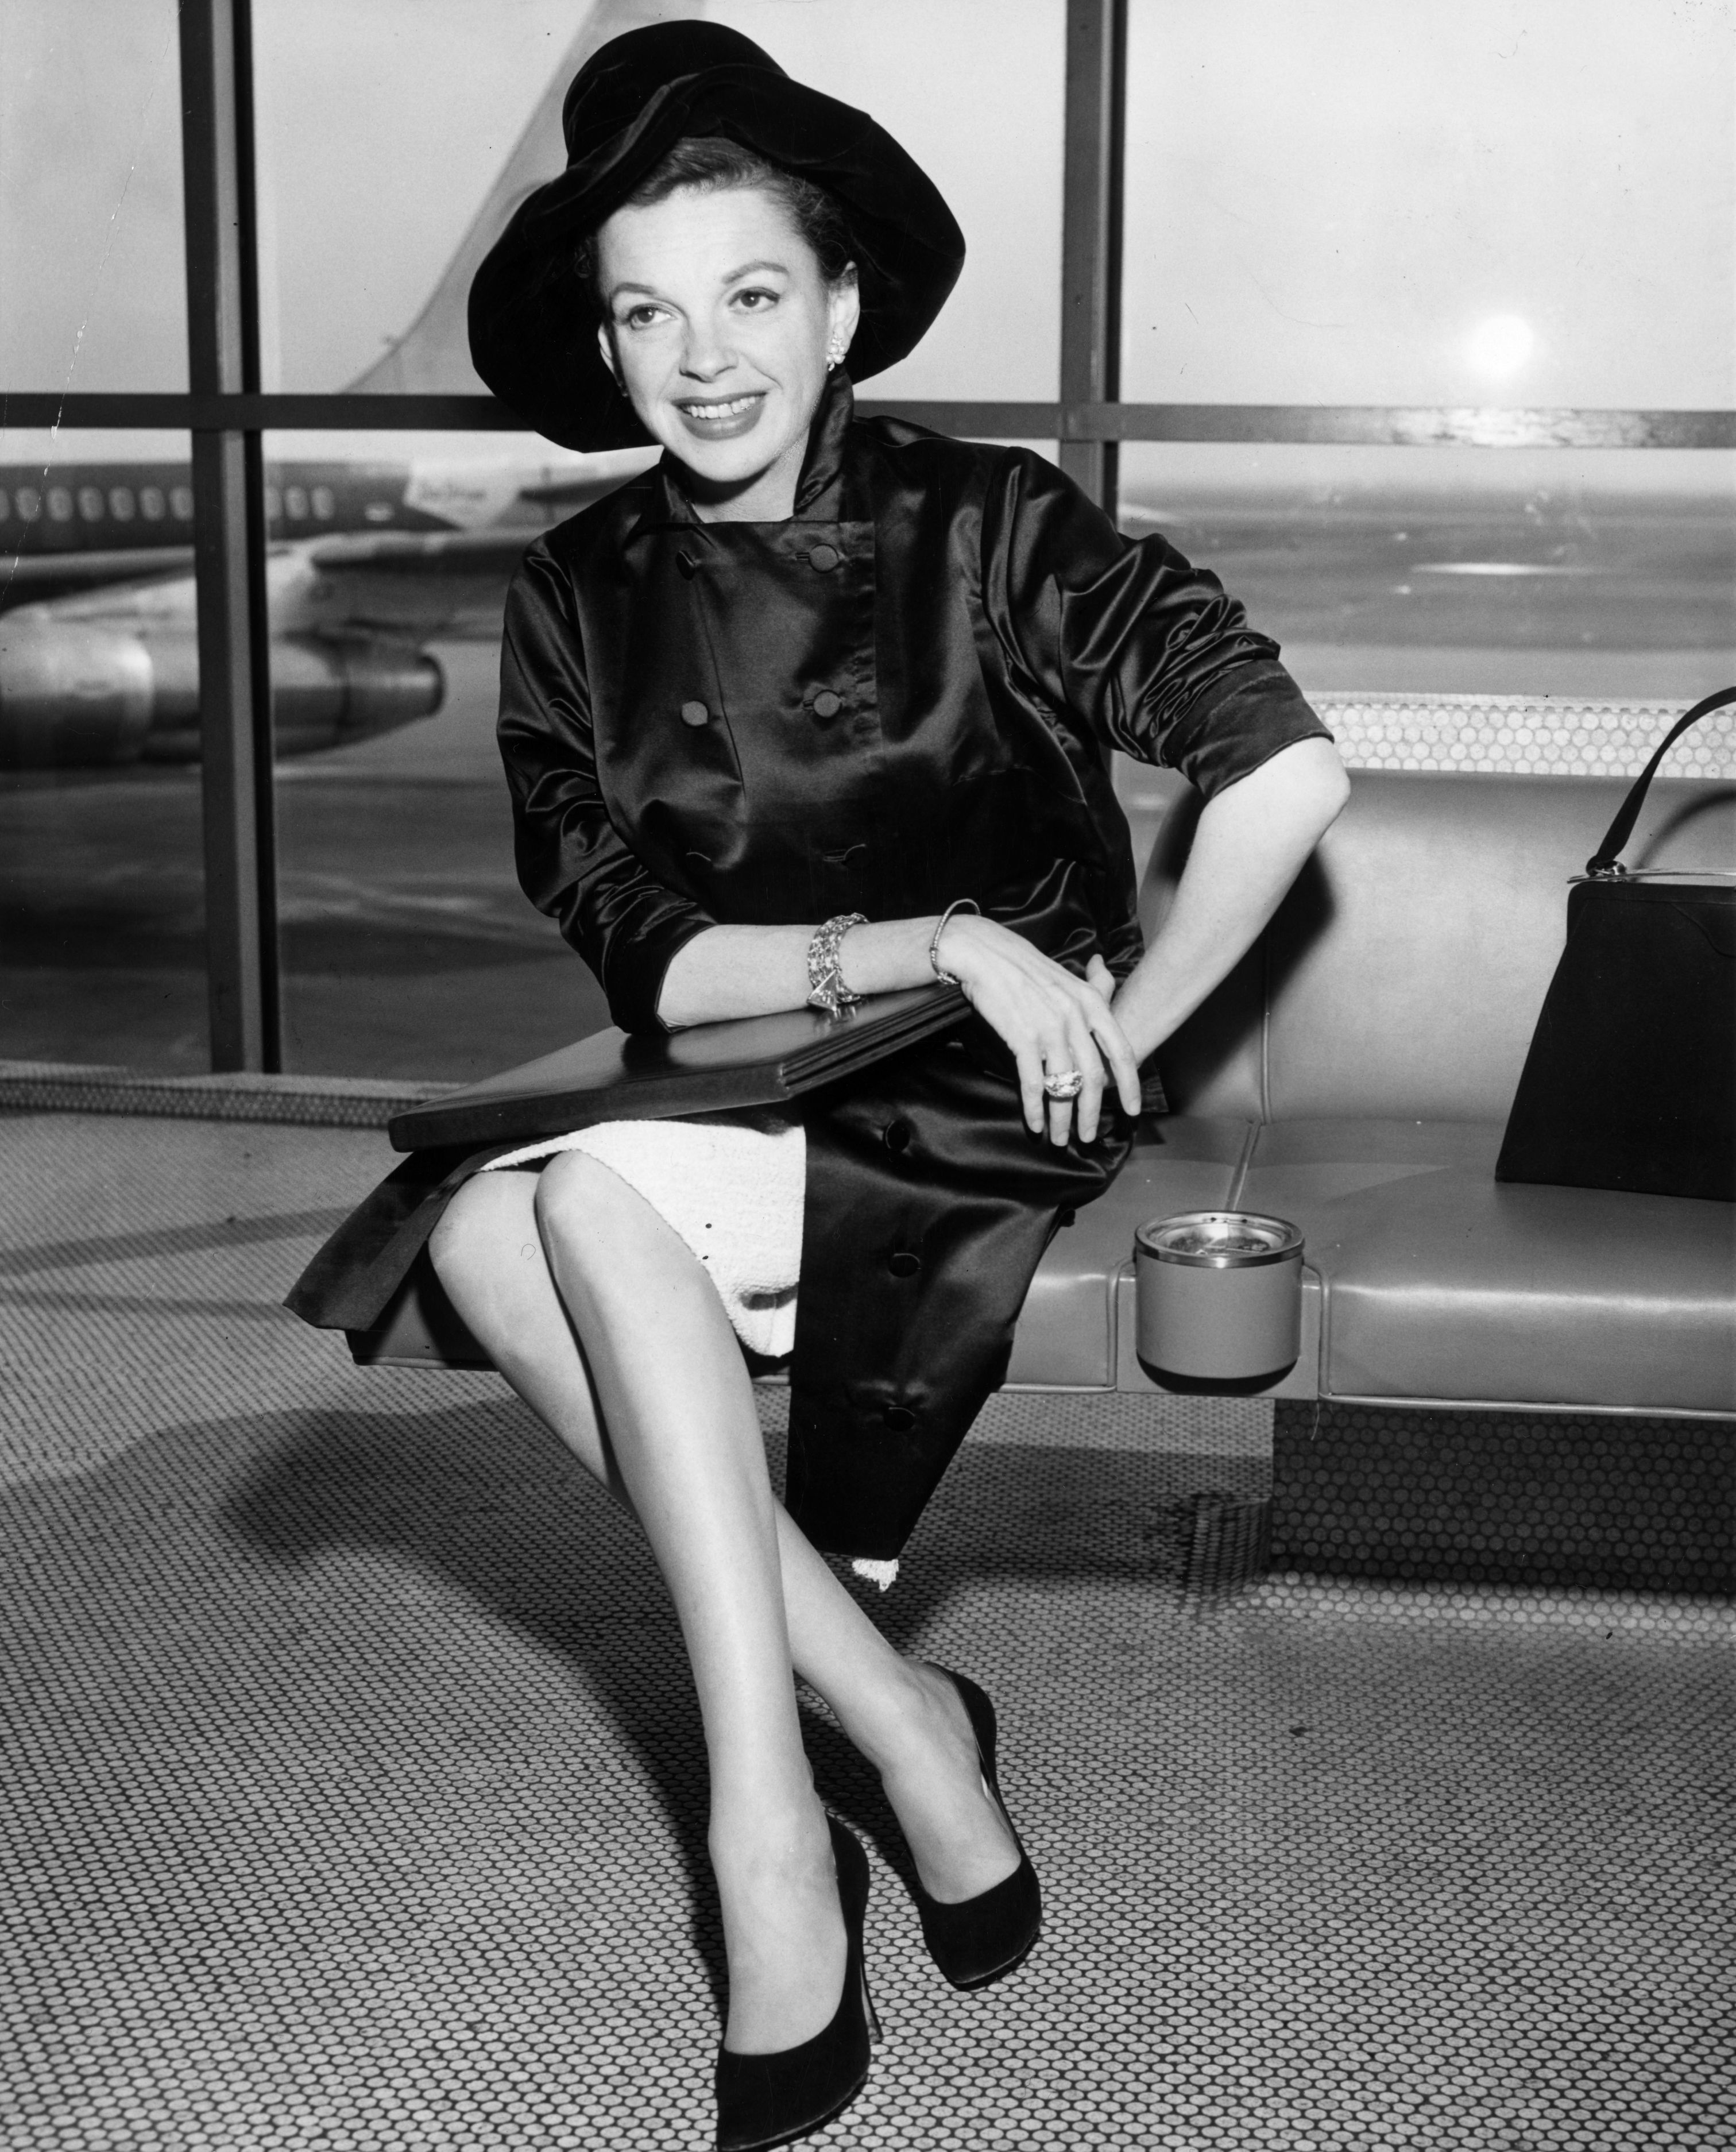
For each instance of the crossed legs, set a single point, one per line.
(602, 1320)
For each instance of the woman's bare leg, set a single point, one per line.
(907, 1719)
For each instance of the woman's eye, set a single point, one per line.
(641, 318)
(756, 300)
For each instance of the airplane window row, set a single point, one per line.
(152, 502)
(322, 502)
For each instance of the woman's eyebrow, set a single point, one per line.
(748, 268)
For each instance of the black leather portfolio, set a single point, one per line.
(709, 1068)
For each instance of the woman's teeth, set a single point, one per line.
(733, 410)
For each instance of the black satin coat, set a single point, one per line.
(898, 697)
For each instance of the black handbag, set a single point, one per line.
(1630, 1080)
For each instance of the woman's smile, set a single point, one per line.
(721, 417)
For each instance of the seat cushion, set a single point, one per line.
(1066, 1334)
(1441, 1284)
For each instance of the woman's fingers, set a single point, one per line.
(1112, 1041)
(1111, 1038)
(1053, 1021)
(1029, 1055)
(1084, 1056)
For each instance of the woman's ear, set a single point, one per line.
(605, 345)
(844, 310)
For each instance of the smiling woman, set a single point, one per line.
(817, 708)
(724, 364)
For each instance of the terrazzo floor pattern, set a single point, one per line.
(353, 1798)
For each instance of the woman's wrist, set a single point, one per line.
(887, 955)
(961, 907)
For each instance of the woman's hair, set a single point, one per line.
(714, 161)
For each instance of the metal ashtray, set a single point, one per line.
(1219, 1294)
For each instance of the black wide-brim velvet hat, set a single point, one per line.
(533, 325)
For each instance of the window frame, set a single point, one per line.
(227, 415)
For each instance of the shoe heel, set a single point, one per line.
(984, 1938)
(771, 2099)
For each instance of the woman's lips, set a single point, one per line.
(722, 418)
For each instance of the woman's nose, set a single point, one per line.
(705, 355)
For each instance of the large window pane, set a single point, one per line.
(409, 949)
(1499, 201)
(388, 161)
(1558, 572)
(93, 294)
(102, 913)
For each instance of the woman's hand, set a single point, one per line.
(1052, 1022)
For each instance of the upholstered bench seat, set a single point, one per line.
(1441, 1282)
(1428, 1280)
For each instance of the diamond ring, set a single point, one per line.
(1064, 1083)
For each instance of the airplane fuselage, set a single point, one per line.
(99, 661)
(52, 522)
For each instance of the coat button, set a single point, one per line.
(900, 1419)
(826, 704)
(824, 557)
(897, 1136)
(693, 713)
(902, 1264)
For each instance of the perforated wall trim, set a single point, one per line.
(1524, 735)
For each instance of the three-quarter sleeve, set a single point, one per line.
(1150, 651)
(573, 864)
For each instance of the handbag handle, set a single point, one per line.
(1603, 862)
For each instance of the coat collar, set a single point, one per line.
(820, 490)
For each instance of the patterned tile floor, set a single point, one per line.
(352, 1799)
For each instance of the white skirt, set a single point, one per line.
(732, 1185)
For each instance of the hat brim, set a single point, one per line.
(533, 325)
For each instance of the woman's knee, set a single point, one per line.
(574, 1198)
(490, 1218)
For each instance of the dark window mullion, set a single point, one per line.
(228, 541)
(1091, 233)
(1378, 425)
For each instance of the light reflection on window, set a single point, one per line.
(297, 499)
(181, 500)
(30, 504)
(120, 503)
(325, 503)
(60, 503)
(150, 504)
(91, 503)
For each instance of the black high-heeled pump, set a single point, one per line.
(765, 2100)
(983, 1939)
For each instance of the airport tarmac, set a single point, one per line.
(409, 951)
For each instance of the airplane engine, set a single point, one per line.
(73, 693)
(87, 694)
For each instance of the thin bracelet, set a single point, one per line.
(958, 904)
(826, 989)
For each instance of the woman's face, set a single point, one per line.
(718, 324)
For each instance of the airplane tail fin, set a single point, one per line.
(433, 356)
